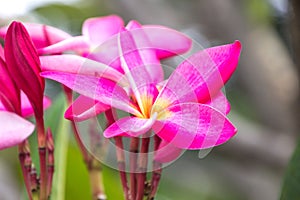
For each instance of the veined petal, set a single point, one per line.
(42, 35)
(193, 126)
(78, 44)
(132, 126)
(167, 152)
(24, 64)
(14, 129)
(134, 61)
(84, 108)
(99, 29)
(161, 37)
(79, 65)
(106, 91)
(220, 103)
(146, 51)
(201, 76)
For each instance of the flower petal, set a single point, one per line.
(100, 89)
(129, 126)
(26, 106)
(79, 65)
(167, 152)
(161, 37)
(84, 108)
(78, 44)
(14, 129)
(24, 64)
(9, 92)
(193, 126)
(220, 103)
(100, 29)
(202, 75)
(2, 52)
(42, 35)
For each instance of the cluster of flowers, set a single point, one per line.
(113, 66)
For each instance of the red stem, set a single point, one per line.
(142, 167)
(43, 157)
(23, 154)
(134, 146)
(122, 166)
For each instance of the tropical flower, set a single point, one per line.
(100, 43)
(188, 111)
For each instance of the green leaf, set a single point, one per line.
(60, 152)
(291, 183)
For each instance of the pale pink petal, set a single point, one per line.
(78, 44)
(132, 126)
(84, 108)
(167, 152)
(14, 129)
(193, 126)
(166, 41)
(201, 76)
(79, 65)
(220, 103)
(26, 106)
(100, 89)
(42, 35)
(100, 29)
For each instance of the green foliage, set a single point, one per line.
(291, 184)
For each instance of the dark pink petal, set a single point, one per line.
(201, 76)
(103, 90)
(193, 126)
(132, 126)
(84, 108)
(78, 44)
(100, 29)
(77, 64)
(9, 92)
(2, 52)
(14, 129)
(167, 152)
(41, 35)
(24, 64)
(220, 103)
(166, 41)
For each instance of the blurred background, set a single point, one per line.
(263, 94)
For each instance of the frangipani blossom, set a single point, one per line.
(104, 61)
(183, 113)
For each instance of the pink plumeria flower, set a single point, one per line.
(185, 112)
(99, 43)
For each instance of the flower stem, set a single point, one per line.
(24, 155)
(157, 170)
(50, 166)
(42, 156)
(34, 183)
(92, 164)
(134, 149)
(122, 166)
(142, 167)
